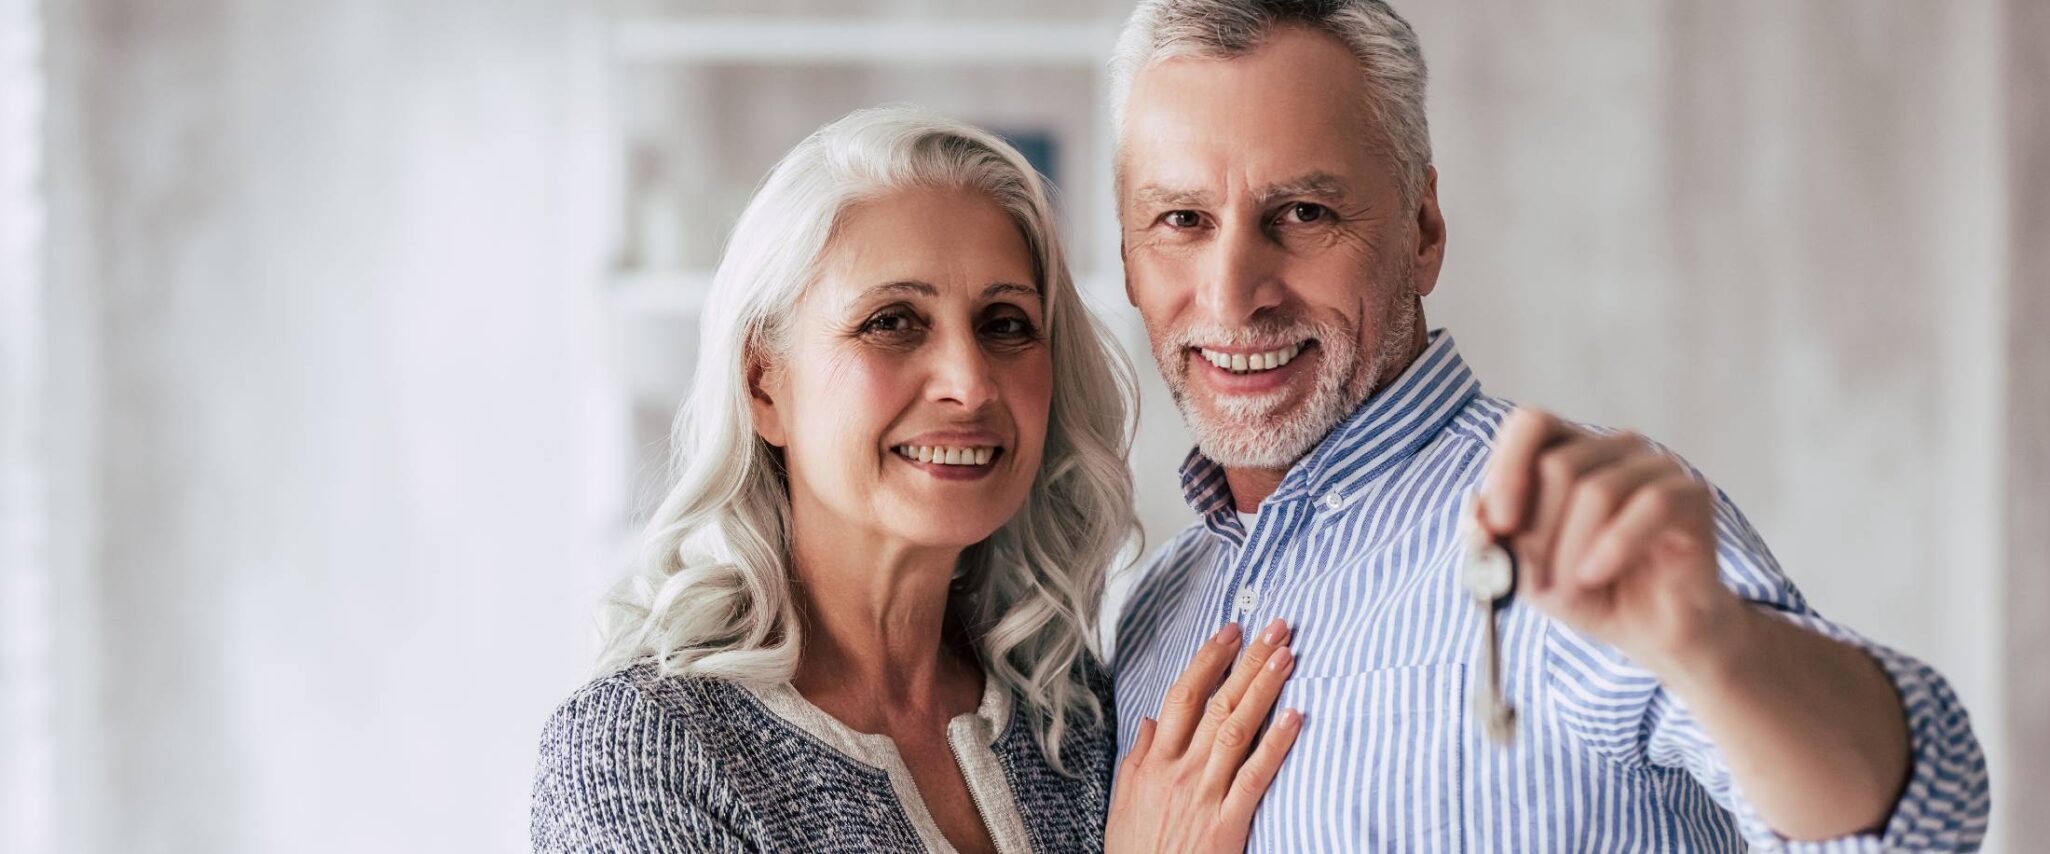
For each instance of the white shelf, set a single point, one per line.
(905, 42)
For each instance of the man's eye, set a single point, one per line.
(1181, 219)
(1306, 212)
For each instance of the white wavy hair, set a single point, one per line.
(713, 597)
(1383, 43)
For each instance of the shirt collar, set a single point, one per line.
(1386, 429)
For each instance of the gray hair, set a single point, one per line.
(713, 597)
(1381, 40)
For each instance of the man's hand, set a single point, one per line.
(1613, 538)
(1617, 540)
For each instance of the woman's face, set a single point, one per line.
(912, 402)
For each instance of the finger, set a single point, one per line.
(1183, 706)
(1128, 770)
(1559, 467)
(1257, 775)
(1271, 638)
(1597, 498)
(1233, 739)
(1636, 529)
(1137, 757)
(1219, 707)
(1505, 491)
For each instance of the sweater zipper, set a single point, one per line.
(974, 788)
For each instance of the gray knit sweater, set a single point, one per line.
(638, 762)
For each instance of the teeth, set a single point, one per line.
(1243, 363)
(970, 456)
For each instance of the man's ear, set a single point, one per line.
(1131, 296)
(762, 382)
(1430, 224)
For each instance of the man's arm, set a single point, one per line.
(1810, 727)
(1617, 541)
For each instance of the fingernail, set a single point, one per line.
(1280, 659)
(1274, 632)
(1291, 717)
(1228, 634)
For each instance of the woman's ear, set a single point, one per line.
(763, 385)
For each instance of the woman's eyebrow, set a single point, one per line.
(908, 286)
(913, 286)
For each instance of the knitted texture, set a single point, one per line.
(635, 761)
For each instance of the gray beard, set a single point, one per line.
(1258, 432)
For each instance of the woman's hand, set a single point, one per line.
(1194, 778)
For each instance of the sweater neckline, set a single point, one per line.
(972, 735)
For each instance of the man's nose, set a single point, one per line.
(1241, 275)
(962, 373)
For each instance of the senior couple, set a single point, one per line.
(866, 620)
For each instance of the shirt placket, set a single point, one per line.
(1245, 598)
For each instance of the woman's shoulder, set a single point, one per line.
(638, 710)
(631, 761)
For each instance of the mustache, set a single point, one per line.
(1259, 332)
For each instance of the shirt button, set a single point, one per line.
(1333, 500)
(1247, 598)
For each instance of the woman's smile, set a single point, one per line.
(950, 463)
(956, 455)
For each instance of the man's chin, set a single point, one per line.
(1252, 411)
(1270, 431)
(1264, 439)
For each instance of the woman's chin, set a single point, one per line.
(947, 526)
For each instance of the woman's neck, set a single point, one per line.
(875, 619)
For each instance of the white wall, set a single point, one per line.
(323, 535)
(326, 587)
(26, 689)
(1771, 236)
(2024, 633)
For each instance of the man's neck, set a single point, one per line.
(1249, 487)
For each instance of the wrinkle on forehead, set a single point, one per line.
(1315, 184)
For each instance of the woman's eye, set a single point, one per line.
(1181, 219)
(1011, 327)
(889, 323)
(1306, 212)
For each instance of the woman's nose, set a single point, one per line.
(962, 373)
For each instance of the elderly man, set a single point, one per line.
(1674, 690)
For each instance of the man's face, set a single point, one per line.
(1267, 244)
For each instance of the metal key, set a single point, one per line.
(1490, 578)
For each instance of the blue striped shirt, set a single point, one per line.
(1356, 550)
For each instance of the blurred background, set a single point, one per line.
(338, 342)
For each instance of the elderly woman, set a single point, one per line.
(866, 621)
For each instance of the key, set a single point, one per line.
(1489, 576)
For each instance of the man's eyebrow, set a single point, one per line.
(1316, 185)
(1154, 195)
